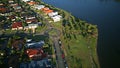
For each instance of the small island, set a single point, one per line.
(35, 34)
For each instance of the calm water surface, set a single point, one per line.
(105, 14)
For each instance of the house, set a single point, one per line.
(56, 18)
(31, 26)
(39, 7)
(25, 0)
(17, 26)
(52, 14)
(10, 1)
(36, 53)
(31, 3)
(3, 9)
(31, 20)
(30, 17)
(1, 4)
(47, 10)
(12, 17)
(44, 63)
(17, 8)
(35, 44)
(14, 4)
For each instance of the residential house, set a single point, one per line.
(46, 10)
(12, 17)
(39, 7)
(17, 8)
(56, 18)
(25, 0)
(35, 44)
(44, 63)
(36, 53)
(3, 10)
(31, 20)
(17, 26)
(31, 3)
(52, 14)
(2, 5)
(10, 1)
(31, 26)
(14, 4)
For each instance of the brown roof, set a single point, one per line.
(32, 3)
(17, 24)
(32, 20)
(3, 9)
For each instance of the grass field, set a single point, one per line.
(78, 53)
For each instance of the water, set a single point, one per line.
(105, 14)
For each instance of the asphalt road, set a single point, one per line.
(58, 54)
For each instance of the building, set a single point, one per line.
(31, 3)
(31, 26)
(17, 8)
(35, 44)
(52, 14)
(36, 53)
(46, 10)
(17, 26)
(44, 63)
(25, 0)
(10, 1)
(31, 20)
(12, 17)
(39, 7)
(3, 9)
(56, 18)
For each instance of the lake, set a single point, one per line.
(106, 15)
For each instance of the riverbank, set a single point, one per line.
(79, 40)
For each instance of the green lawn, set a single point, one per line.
(78, 53)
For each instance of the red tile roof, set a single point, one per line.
(33, 52)
(31, 3)
(47, 10)
(17, 24)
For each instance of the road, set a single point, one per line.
(58, 54)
